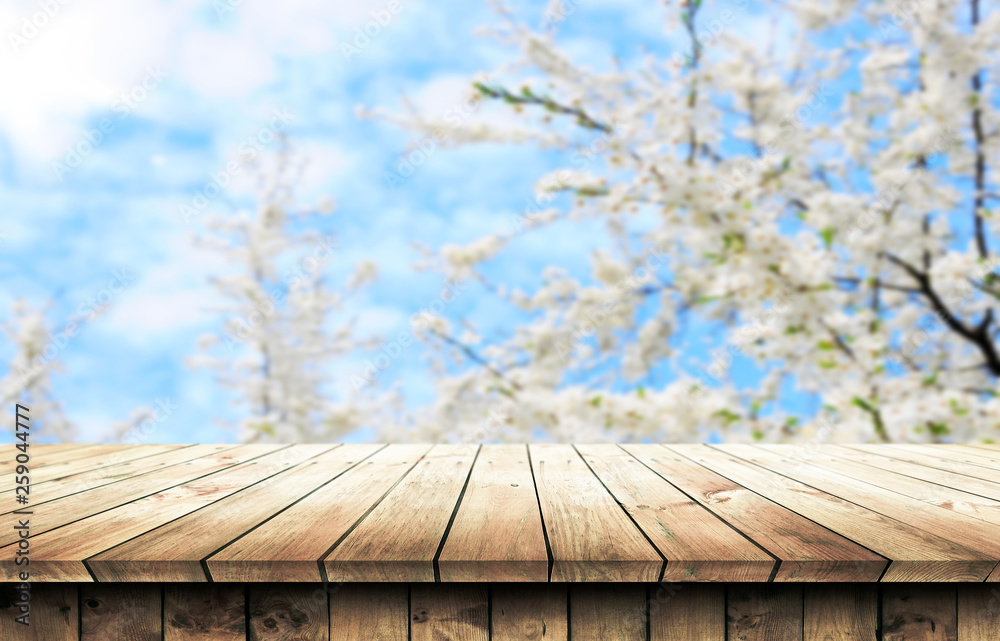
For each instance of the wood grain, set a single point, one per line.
(204, 612)
(529, 612)
(173, 552)
(605, 612)
(289, 546)
(987, 489)
(764, 612)
(919, 613)
(288, 612)
(687, 612)
(106, 458)
(55, 554)
(79, 506)
(935, 459)
(379, 548)
(53, 612)
(808, 551)
(917, 555)
(116, 472)
(500, 499)
(370, 612)
(609, 547)
(119, 612)
(978, 612)
(961, 453)
(840, 613)
(898, 497)
(449, 612)
(698, 546)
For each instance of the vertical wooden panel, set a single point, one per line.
(369, 612)
(764, 612)
(687, 612)
(452, 611)
(288, 612)
(199, 612)
(916, 612)
(978, 612)
(840, 612)
(53, 615)
(120, 612)
(529, 613)
(607, 612)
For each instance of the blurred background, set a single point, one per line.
(232, 220)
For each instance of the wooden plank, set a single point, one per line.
(965, 530)
(120, 612)
(439, 612)
(605, 612)
(947, 498)
(919, 613)
(807, 550)
(986, 489)
(287, 612)
(53, 614)
(58, 555)
(214, 612)
(840, 612)
(78, 506)
(398, 540)
(960, 453)
(698, 545)
(764, 612)
(529, 612)
(610, 547)
(114, 473)
(47, 456)
(994, 577)
(978, 612)
(370, 612)
(917, 555)
(173, 551)
(62, 470)
(500, 499)
(40, 455)
(690, 612)
(932, 461)
(289, 546)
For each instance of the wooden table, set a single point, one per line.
(503, 541)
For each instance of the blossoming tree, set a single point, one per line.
(282, 329)
(828, 205)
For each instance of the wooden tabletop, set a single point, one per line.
(499, 513)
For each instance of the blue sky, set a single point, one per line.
(203, 76)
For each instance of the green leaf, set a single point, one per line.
(863, 404)
(758, 435)
(596, 401)
(827, 364)
(640, 392)
(827, 235)
(938, 429)
(826, 346)
(728, 416)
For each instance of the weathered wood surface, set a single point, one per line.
(506, 513)
(507, 612)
